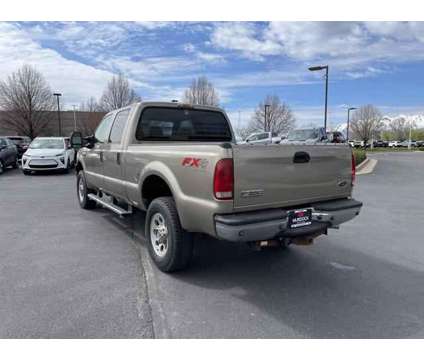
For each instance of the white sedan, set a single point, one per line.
(48, 153)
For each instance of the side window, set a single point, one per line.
(103, 130)
(119, 126)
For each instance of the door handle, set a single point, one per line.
(118, 158)
(301, 157)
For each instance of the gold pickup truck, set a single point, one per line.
(181, 164)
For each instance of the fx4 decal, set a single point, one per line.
(194, 162)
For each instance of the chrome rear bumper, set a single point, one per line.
(270, 224)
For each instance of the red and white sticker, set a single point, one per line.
(194, 162)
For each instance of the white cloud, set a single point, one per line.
(75, 80)
(241, 36)
(203, 56)
(346, 46)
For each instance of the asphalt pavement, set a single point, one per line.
(66, 272)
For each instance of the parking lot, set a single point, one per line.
(67, 272)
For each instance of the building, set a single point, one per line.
(86, 122)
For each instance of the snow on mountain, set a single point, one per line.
(416, 120)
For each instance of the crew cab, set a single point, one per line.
(181, 164)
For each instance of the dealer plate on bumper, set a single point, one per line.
(299, 218)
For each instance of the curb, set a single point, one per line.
(366, 167)
(362, 164)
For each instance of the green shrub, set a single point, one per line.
(360, 155)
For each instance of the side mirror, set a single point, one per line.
(89, 141)
(76, 140)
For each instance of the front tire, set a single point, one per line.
(170, 246)
(83, 191)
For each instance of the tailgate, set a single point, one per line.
(282, 175)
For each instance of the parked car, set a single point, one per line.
(394, 143)
(405, 143)
(8, 154)
(181, 164)
(381, 143)
(21, 142)
(335, 137)
(263, 138)
(48, 153)
(306, 135)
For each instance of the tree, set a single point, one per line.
(366, 123)
(279, 117)
(399, 128)
(117, 94)
(201, 92)
(93, 115)
(27, 101)
(90, 105)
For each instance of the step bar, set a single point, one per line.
(112, 207)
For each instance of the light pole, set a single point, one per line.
(266, 118)
(75, 119)
(319, 68)
(348, 121)
(410, 133)
(58, 112)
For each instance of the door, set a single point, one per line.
(113, 176)
(93, 158)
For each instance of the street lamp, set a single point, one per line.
(266, 107)
(75, 118)
(348, 121)
(319, 68)
(58, 112)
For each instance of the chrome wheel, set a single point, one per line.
(159, 234)
(81, 190)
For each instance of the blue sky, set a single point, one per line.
(370, 62)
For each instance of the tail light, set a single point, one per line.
(353, 169)
(223, 180)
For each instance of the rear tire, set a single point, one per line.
(83, 191)
(170, 246)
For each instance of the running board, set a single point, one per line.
(115, 208)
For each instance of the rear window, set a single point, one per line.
(175, 124)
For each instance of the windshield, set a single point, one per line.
(302, 134)
(47, 144)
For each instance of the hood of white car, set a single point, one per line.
(44, 152)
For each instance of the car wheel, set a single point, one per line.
(15, 165)
(83, 191)
(1, 167)
(170, 246)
